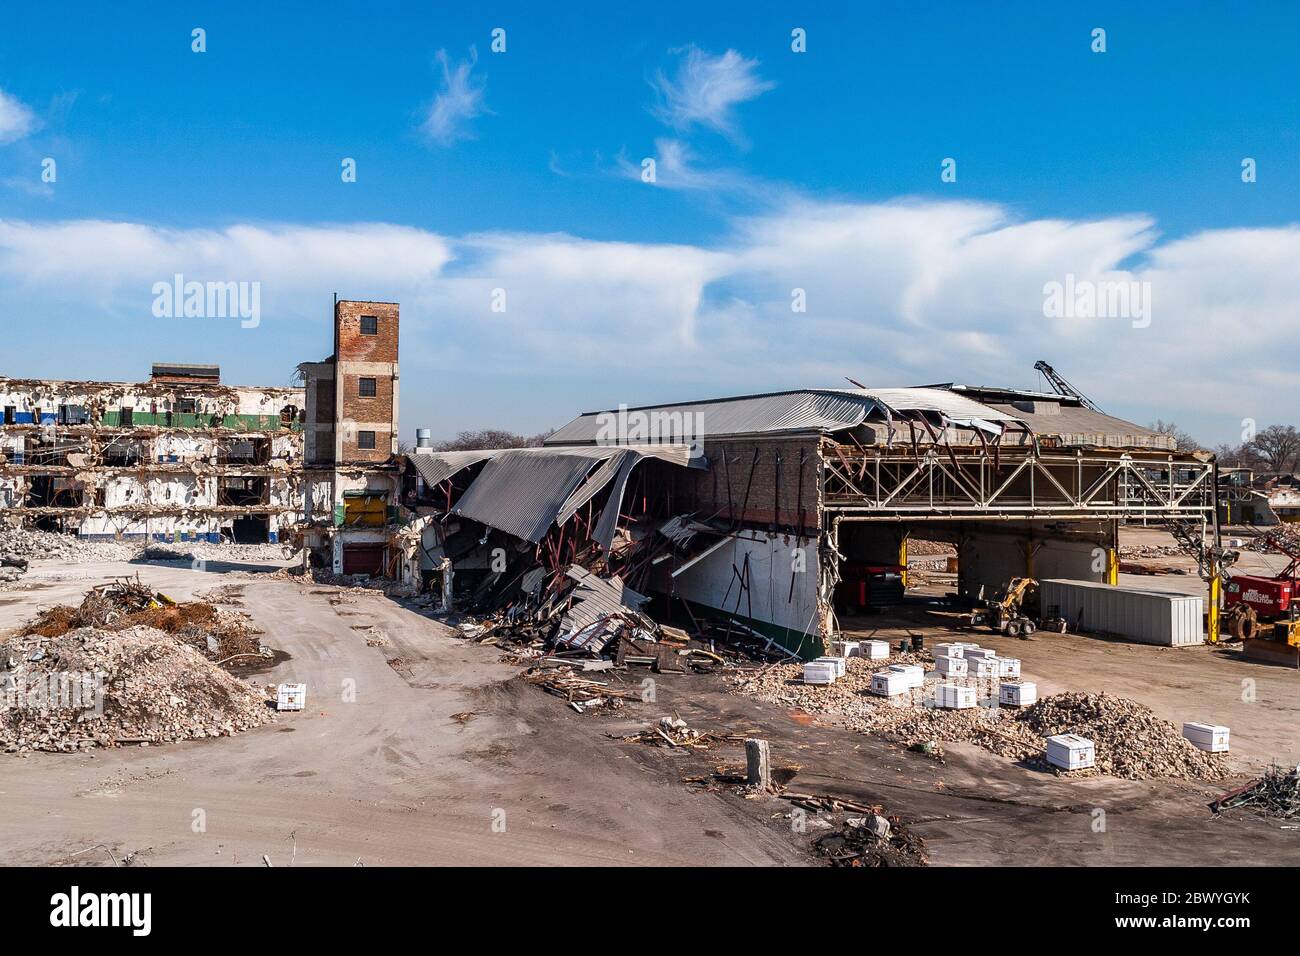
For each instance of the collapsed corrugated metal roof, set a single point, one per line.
(524, 491)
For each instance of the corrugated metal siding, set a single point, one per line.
(1148, 617)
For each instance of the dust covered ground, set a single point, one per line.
(418, 747)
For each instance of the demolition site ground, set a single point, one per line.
(418, 746)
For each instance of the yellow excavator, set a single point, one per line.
(1009, 613)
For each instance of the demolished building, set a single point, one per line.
(784, 511)
(177, 457)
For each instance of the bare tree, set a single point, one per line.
(1277, 447)
(491, 438)
(1237, 456)
(1183, 441)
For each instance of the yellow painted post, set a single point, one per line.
(902, 558)
(1112, 566)
(1215, 585)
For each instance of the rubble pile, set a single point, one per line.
(872, 840)
(154, 689)
(1276, 794)
(924, 548)
(21, 545)
(675, 733)
(215, 633)
(1131, 741)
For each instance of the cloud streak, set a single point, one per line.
(706, 89)
(460, 101)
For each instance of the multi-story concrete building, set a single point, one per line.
(179, 456)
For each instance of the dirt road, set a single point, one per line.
(390, 778)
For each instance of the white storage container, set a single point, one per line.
(914, 672)
(950, 666)
(983, 667)
(291, 697)
(1211, 737)
(875, 650)
(845, 649)
(890, 683)
(1008, 666)
(1148, 617)
(817, 672)
(955, 697)
(1017, 693)
(948, 650)
(1070, 752)
(972, 652)
(835, 662)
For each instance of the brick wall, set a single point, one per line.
(367, 356)
(774, 494)
(355, 347)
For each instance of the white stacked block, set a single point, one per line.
(291, 697)
(875, 650)
(1008, 666)
(1017, 693)
(914, 672)
(818, 672)
(835, 662)
(982, 667)
(1211, 737)
(955, 697)
(950, 666)
(845, 649)
(1070, 752)
(947, 650)
(890, 683)
(972, 652)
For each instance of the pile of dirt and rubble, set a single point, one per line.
(1130, 740)
(20, 546)
(216, 633)
(873, 840)
(924, 548)
(194, 552)
(137, 685)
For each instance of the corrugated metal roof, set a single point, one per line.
(523, 491)
(441, 465)
(521, 494)
(803, 410)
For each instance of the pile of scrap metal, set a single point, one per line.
(1276, 794)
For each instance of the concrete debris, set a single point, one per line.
(1131, 741)
(873, 840)
(218, 634)
(34, 544)
(155, 689)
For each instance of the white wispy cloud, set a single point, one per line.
(460, 100)
(897, 293)
(705, 90)
(16, 120)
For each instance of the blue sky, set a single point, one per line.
(776, 170)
